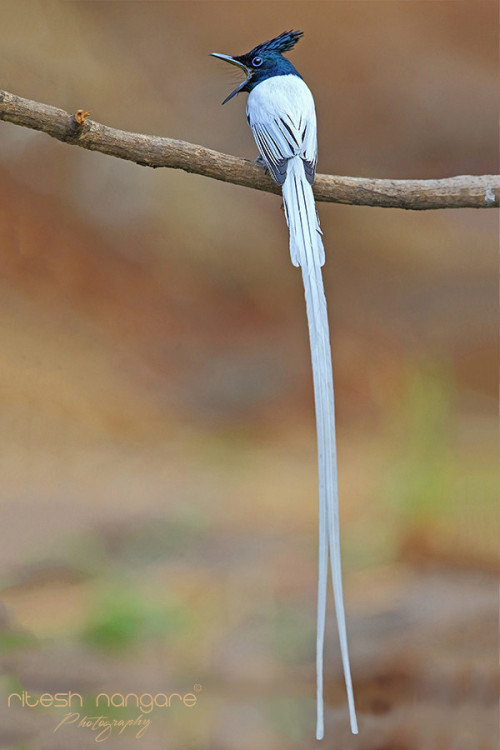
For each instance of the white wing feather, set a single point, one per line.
(281, 113)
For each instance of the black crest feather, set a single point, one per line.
(281, 43)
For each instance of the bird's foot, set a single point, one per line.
(262, 163)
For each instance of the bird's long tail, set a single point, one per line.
(306, 249)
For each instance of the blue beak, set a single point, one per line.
(238, 64)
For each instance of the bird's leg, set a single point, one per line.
(262, 163)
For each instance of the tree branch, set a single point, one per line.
(465, 191)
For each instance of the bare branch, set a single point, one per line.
(465, 191)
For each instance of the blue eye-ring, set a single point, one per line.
(257, 62)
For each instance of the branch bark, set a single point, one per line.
(465, 191)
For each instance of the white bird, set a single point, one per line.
(281, 114)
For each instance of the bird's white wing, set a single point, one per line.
(281, 113)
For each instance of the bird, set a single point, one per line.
(281, 114)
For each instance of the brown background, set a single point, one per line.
(158, 491)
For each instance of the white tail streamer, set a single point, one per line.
(306, 250)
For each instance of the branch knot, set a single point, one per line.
(76, 124)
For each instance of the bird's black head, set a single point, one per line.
(263, 61)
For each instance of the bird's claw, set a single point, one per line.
(262, 163)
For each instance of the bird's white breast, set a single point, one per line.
(281, 95)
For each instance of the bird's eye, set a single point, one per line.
(257, 62)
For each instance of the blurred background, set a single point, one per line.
(158, 457)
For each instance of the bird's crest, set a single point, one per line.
(282, 43)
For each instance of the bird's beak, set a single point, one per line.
(238, 64)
